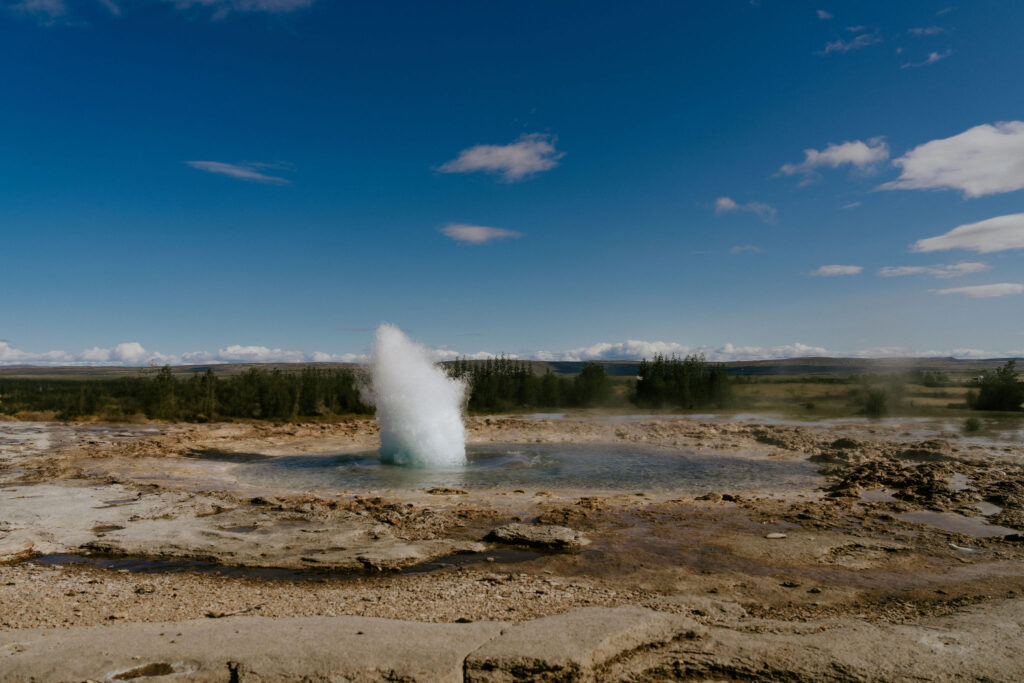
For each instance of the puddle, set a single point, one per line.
(958, 524)
(988, 509)
(878, 496)
(148, 565)
(959, 482)
(589, 467)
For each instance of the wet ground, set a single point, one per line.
(726, 522)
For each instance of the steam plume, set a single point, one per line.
(419, 408)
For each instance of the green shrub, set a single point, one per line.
(999, 390)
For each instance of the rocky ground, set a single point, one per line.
(912, 545)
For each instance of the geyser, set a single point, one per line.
(419, 407)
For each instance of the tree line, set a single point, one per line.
(686, 383)
(255, 394)
(502, 384)
(495, 385)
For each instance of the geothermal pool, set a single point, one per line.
(584, 467)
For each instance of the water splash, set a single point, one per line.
(419, 408)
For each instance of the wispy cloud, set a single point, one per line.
(856, 43)
(477, 234)
(249, 171)
(53, 12)
(994, 234)
(920, 31)
(740, 248)
(112, 7)
(222, 8)
(931, 59)
(851, 205)
(983, 160)
(985, 291)
(765, 212)
(864, 156)
(46, 12)
(822, 14)
(834, 270)
(943, 272)
(527, 155)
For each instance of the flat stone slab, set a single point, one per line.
(570, 646)
(985, 642)
(546, 536)
(245, 649)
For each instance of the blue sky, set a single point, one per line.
(204, 180)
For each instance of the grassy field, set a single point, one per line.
(818, 399)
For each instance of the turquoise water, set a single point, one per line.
(542, 466)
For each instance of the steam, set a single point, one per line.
(419, 408)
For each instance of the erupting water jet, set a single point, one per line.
(419, 407)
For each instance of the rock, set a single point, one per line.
(775, 534)
(713, 496)
(446, 491)
(572, 646)
(546, 536)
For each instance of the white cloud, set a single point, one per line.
(634, 349)
(940, 271)
(994, 234)
(986, 159)
(822, 14)
(834, 270)
(926, 31)
(985, 291)
(740, 248)
(129, 353)
(477, 234)
(251, 172)
(851, 205)
(861, 41)
(863, 156)
(237, 353)
(133, 354)
(931, 59)
(529, 154)
(443, 353)
(764, 211)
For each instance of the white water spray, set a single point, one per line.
(419, 408)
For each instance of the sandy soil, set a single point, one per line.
(851, 555)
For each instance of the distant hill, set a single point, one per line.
(615, 368)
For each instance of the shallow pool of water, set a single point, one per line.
(955, 523)
(151, 565)
(542, 466)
